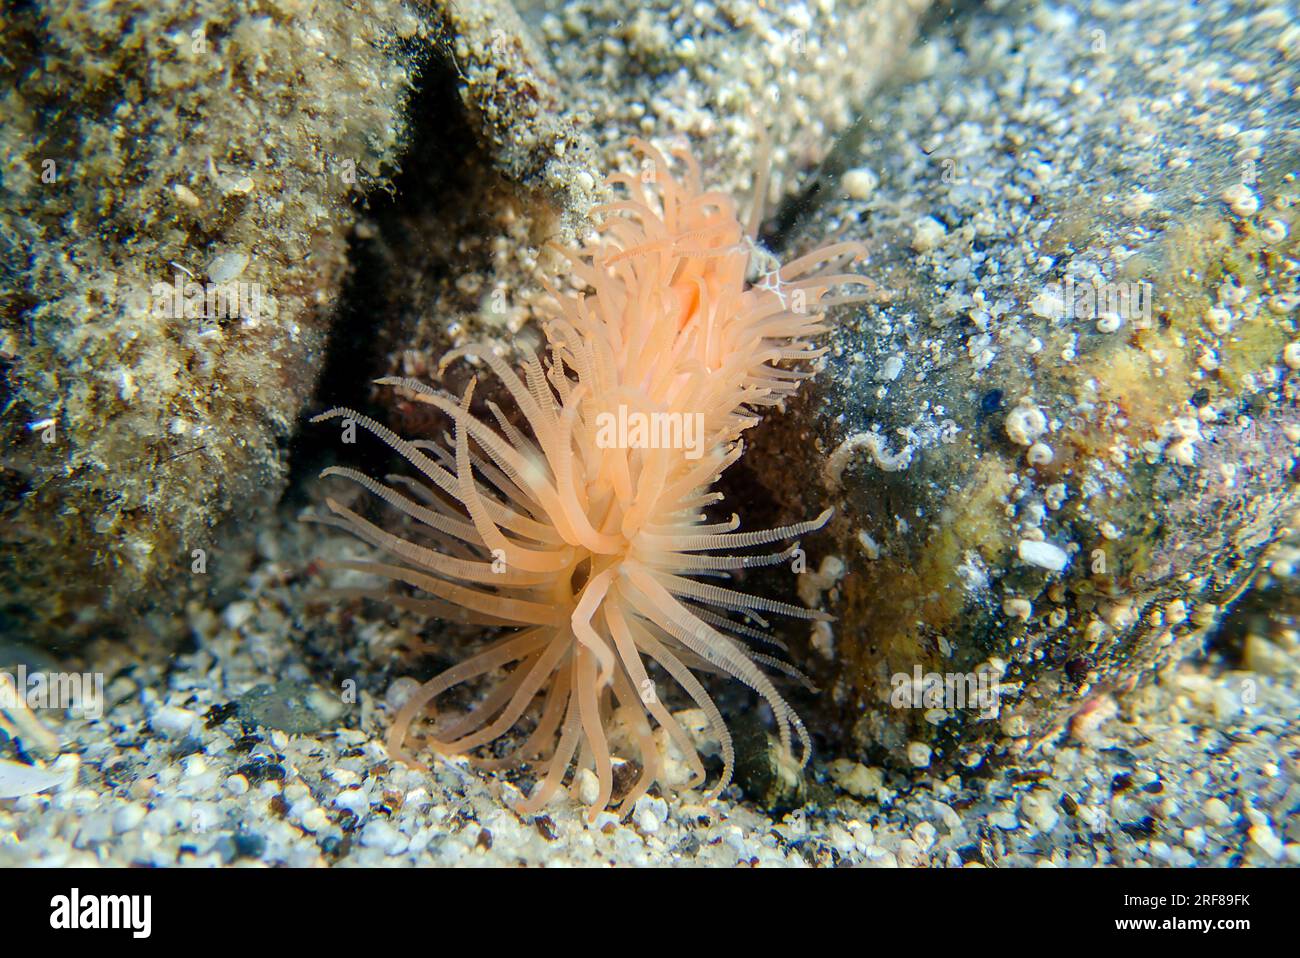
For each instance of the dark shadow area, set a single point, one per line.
(384, 252)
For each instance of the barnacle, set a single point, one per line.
(597, 551)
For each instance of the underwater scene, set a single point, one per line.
(734, 433)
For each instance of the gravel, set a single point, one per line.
(1186, 771)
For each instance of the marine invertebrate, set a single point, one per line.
(589, 537)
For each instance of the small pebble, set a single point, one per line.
(860, 183)
(1241, 199)
(1044, 555)
(128, 817)
(1216, 811)
(926, 233)
(171, 722)
(1267, 841)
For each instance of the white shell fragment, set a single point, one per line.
(17, 780)
(227, 266)
(1043, 554)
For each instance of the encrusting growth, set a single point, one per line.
(597, 553)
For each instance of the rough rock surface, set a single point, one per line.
(1039, 479)
(149, 151)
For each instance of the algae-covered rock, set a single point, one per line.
(1063, 437)
(517, 108)
(178, 186)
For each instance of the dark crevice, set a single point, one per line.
(362, 335)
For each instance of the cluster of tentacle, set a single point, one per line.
(599, 556)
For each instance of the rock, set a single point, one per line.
(1267, 841)
(289, 706)
(172, 722)
(769, 777)
(239, 845)
(94, 829)
(1216, 812)
(649, 814)
(128, 817)
(379, 834)
(919, 754)
(516, 106)
(177, 198)
(1094, 439)
(723, 74)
